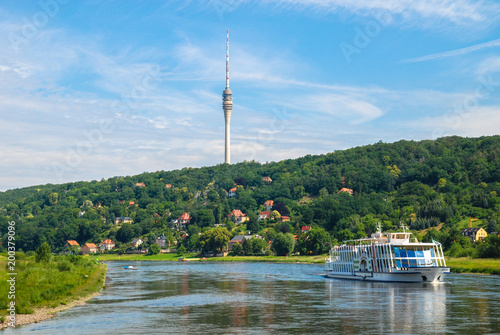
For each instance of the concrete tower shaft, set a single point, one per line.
(227, 105)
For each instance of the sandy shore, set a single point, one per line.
(45, 313)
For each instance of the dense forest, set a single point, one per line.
(444, 183)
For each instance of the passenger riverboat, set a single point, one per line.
(390, 257)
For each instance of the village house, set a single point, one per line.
(346, 190)
(123, 219)
(183, 221)
(264, 215)
(136, 242)
(237, 216)
(89, 248)
(232, 192)
(268, 205)
(284, 218)
(140, 185)
(305, 229)
(475, 234)
(106, 245)
(71, 243)
(267, 180)
(162, 241)
(168, 186)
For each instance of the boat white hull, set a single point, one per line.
(412, 275)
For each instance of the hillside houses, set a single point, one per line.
(106, 245)
(474, 234)
(232, 192)
(123, 219)
(89, 248)
(267, 180)
(238, 216)
(72, 243)
(264, 215)
(182, 221)
(346, 190)
(268, 205)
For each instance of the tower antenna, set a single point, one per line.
(227, 105)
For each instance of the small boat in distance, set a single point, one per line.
(387, 257)
(129, 267)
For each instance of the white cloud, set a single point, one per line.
(470, 124)
(457, 52)
(458, 12)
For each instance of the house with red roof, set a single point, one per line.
(346, 190)
(168, 186)
(237, 216)
(232, 192)
(106, 245)
(305, 229)
(89, 248)
(140, 184)
(183, 221)
(284, 218)
(71, 243)
(264, 215)
(268, 205)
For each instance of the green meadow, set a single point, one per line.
(49, 284)
(474, 265)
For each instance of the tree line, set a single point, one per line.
(423, 184)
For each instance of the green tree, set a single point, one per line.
(43, 253)
(258, 245)
(283, 244)
(154, 249)
(215, 240)
(125, 233)
(247, 247)
(275, 215)
(181, 250)
(237, 249)
(316, 241)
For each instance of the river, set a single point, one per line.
(272, 298)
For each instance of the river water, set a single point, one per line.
(270, 298)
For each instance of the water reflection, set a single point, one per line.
(213, 298)
(390, 307)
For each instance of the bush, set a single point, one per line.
(64, 266)
(181, 250)
(283, 244)
(237, 249)
(43, 253)
(154, 249)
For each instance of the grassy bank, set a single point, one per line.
(474, 265)
(50, 284)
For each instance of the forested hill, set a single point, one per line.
(422, 184)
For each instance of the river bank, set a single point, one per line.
(43, 290)
(44, 313)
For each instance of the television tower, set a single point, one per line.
(227, 105)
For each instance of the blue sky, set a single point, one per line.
(95, 89)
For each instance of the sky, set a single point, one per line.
(93, 89)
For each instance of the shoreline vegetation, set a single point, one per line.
(457, 265)
(45, 288)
